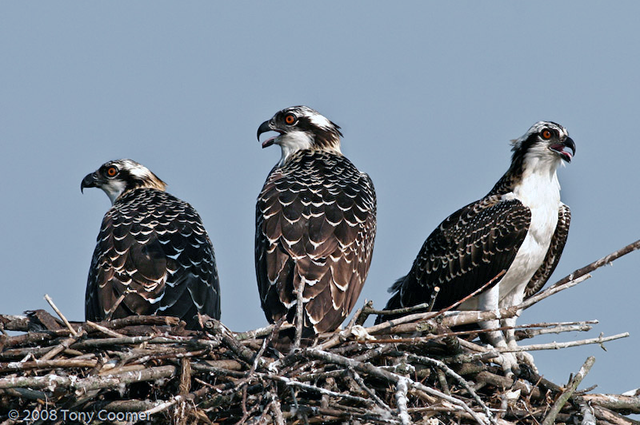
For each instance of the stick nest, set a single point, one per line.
(152, 364)
(149, 369)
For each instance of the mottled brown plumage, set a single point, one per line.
(480, 240)
(152, 248)
(315, 224)
(520, 228)
(459, 261)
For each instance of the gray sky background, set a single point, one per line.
(428, 96)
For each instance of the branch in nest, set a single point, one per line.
(422, 316)
(558, 345)
(64, 319)
(89, 383)
(387, 376)
(615, 402)
(564, 397)
(401, 400)
(419, 372)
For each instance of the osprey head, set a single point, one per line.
(545, 141)
(121, 175)
(300, 127)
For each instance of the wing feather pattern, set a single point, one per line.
(153, 248)
(463, 253)
(315, 228)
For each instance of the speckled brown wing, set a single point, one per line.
(315, 229)
(552, 258)
(153, 248)
(463, 253)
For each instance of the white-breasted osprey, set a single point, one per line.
(315, 224)
(153, 255)
(520, 226)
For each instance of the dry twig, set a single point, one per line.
(416, 371)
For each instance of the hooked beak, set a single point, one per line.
(264, 127)
(559, 149)
(90, 180)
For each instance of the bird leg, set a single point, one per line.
(515, 297)
(512, 344)
(495, 337)
(490, 301)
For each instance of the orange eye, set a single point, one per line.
(546, 134)
(290, 119)
(112, 171)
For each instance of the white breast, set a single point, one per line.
(540, 192)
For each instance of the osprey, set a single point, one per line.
(153, 255)
(520, 227)
(315, 224)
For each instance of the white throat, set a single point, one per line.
(539, 187)
(292, 142)
(114, 189)
(295, 141)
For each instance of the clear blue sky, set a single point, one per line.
(428, 95)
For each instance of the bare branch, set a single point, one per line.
(104, 330)
(615, 402)
(388, 376)
(299, 322)
(559, 345)
(90, 383)
(401, 400)
(573, 385)
(416, 371)
(59, 313)
(608, 259)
